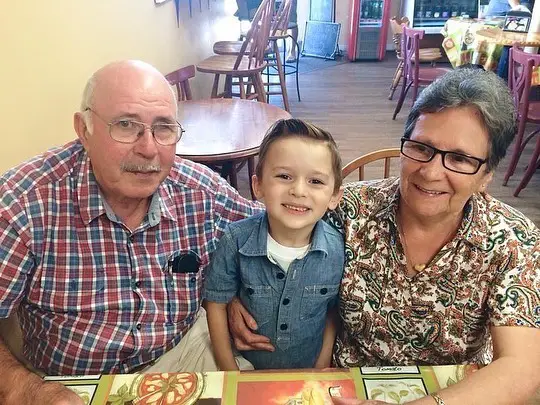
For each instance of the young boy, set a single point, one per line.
(286, 264)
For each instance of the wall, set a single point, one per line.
(50, 48)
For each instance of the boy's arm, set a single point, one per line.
(329, 336)
(219, 335)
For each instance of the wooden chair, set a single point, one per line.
(278, 31)
(360, 162)
(425, 54)
(180, 79)
(247, 64)
(413, 74)
(520, 74)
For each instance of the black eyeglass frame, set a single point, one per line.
(181, 129)
(443, 153)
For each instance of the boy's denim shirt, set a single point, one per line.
(289, 307)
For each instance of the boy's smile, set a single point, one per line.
(297, 187)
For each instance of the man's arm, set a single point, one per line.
(22, 387)
(219, 335)
(241, 325)
(329, 337)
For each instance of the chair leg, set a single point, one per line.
(282, 83)
(404, 89)
(533, 165)
(228, 87)
(518, 147)
(215, 86)
(397, 78)
(242, 88)
(295, 44)
(259, 87)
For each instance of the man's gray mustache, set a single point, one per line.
(144, 168)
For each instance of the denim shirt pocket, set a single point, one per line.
(315, 300)
(258, 299)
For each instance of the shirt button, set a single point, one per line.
(324, 290)
(286, 301)
(138, 284)
(280, 276)
(139, 326)
(250, 291)
(283, 326)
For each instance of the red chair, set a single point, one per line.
(520, 73)
(180, 79)
(413, 74)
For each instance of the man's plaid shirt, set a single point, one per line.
(91, 296)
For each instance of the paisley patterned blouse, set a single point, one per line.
(488, 275)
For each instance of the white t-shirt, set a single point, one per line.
(283, 256)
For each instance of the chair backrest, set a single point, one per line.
(410, 51)
(397, 32)
(257, 36)
(520, 71)
(180, 79)
(360, 162)
(280, 22)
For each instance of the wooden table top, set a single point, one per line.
(498, 36)
(222, 129)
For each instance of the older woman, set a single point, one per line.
(438, 271)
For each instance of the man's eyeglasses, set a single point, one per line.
(453, 161)
(125, 130)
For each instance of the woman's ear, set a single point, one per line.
(485, 182)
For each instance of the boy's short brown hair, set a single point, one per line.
(297, 128)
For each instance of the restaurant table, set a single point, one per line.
(225, 132)
(498, 37)
(462, 46)
(393, 384)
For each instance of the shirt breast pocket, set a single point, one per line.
(258, 299)
(81, 292)
(184, 282)
(315, 300)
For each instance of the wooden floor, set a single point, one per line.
(350, 100)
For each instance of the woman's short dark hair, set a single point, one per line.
(485, 92)
(297, 128)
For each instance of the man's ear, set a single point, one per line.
(336, 198)
(79, 124)
(256, 184)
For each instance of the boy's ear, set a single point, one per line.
(255, 183)
(336, 198)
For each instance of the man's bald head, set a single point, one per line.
(117, 76)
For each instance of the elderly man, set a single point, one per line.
(104, 242)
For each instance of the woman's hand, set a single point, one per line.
(241, 325)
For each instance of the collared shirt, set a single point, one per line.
(290, 308)
(488, 275)
(94, 297)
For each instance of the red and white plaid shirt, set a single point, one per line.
(91, 296)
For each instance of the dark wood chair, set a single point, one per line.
(425, 54)
(180, 79)
(248, 63)
(360, 162)
(278, 31)
(520, 72)
(413, 74)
